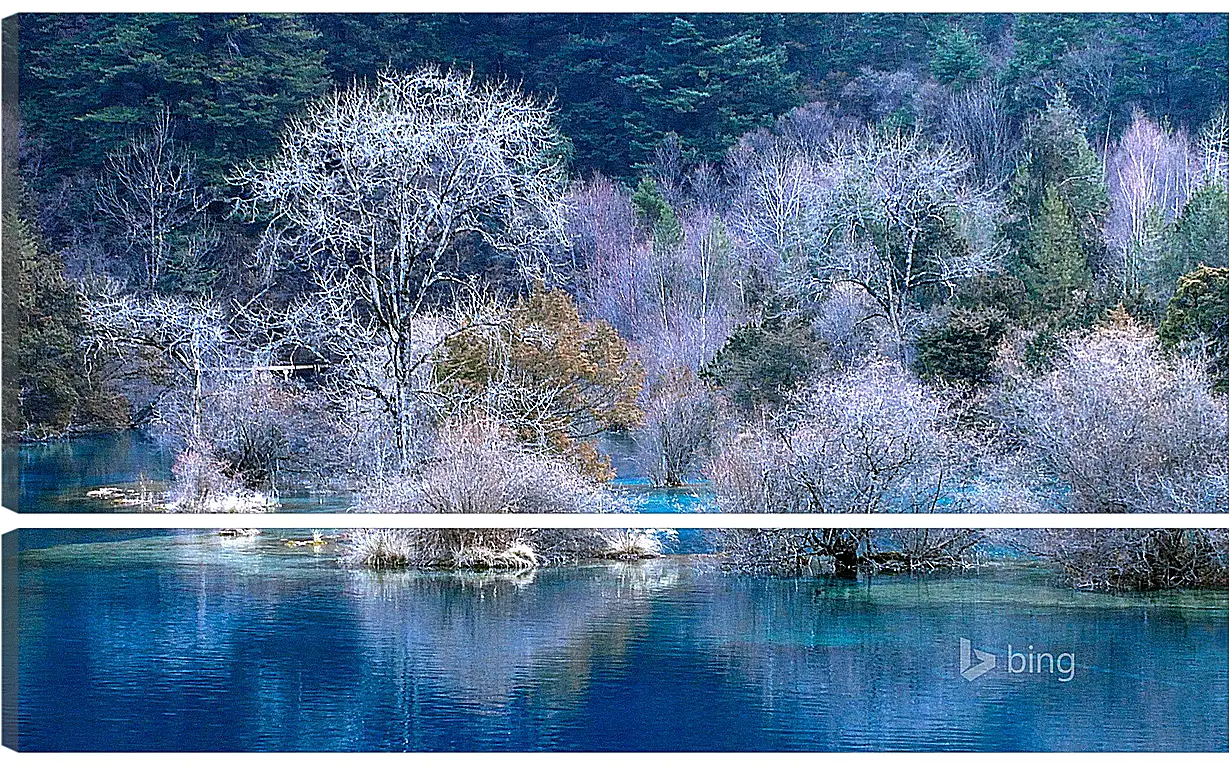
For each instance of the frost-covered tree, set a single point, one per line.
(376, 185)
(184, 342)
(898, 217)
(870, 440)
(1151, 173)
(151, 193)
(682, 423)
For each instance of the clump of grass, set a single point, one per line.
(634, 544)
(518, 556)
(379, 548)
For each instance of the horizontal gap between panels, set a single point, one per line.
(657, 520)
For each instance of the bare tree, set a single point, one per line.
(189, 340)
(375, 185)
(897, 217)
(677, 304)
(979, 119)
(150, 190)
(682, 423)
(1213, 145)
(774, 190)
(1151, 173)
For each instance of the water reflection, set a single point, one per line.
(198, 642)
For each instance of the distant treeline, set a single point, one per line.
(622, 82)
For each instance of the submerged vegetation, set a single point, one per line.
(831, 264)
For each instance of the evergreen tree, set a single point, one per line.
(1055, 262)
(956, 57)
(656, 215)
(89, 82)
(961, 350)
(1056, 206)
(46, 388)
(760, 365)
(708, 79)
(1200, 236)
(1198, 317)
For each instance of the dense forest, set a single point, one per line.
(828, 263)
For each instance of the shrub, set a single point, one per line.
(480, 469)
(872, 440)
(760, 364)
(844, 551)
(791, 551)
(1121, 426)
(962, 350)
(1118, 559)
(208, 485)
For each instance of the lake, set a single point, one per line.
(54, 477)
(194, 642)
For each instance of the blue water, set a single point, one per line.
(194, 642)
(54, 477)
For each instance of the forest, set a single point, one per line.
(820, 263)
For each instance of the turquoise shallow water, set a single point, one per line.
(55, 476)
(194, 642)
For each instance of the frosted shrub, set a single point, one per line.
(479, 470)
(207, 485)
(199, 478)
(1123, 428)
(871, 440)
(1116, 559)
(791, 551)
(481, 549)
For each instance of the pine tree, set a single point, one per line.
(1198, 318)
(46, 388)
(1056, 206)
(657, 216)
(1200, 236)
(1056, 265)
(956, 58)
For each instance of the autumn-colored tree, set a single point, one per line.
(554, 380)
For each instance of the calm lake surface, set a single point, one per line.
(54, 477)
(194, 642)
